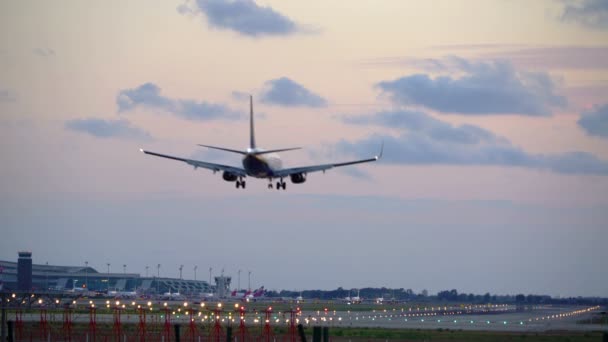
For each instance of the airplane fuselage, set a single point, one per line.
(262, 166)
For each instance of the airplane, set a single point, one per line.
(260, 163)
(172, 296)
(122, 294)
(256, 295)
(356, 299)
(259, 293)
(249, 294)
(240, 295)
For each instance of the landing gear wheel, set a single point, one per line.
(270, 186)
(237, 184)
(284, 186)
(243, 184)
(278, 186)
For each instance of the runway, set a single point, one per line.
(541, 319)
(508, 318)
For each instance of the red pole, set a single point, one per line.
(92, 323)
(292, 332)
(44, 327)
(267, 333)
(216, 333)
(19, 323)
(117, 329)
(192, 330)
(67, 323)
(141, 328)
(243, 334)
(167, 326)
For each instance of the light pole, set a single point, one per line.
(210, 271)
(46, 273)
(124, 268)
(249, 281)
(147, 267)
(86, 275)
(157, 278)
(238, 288)
(108, 264)
(181, 267)
(195, 267)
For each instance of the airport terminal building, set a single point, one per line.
(24, 275)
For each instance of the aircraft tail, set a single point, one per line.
(259, 292)
(252, 146)
(251, 126)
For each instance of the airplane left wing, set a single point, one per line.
(322, 167)
(205, 165)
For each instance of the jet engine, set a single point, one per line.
(298, 178)
(229, 177)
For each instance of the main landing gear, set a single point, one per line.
(280, 184)
(240, 183)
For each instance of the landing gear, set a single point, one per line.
(240, 183)
(280, 184)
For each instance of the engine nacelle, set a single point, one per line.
(229, 177)
(298, 178)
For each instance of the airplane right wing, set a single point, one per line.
(323, 167)
(205, 165)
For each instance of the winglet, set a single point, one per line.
(381, 151)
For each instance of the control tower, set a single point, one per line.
(24, 271)
(222, 286)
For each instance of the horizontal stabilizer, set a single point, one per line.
(224, 149)
(278, 150)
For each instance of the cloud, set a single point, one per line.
(595, 122)
(43, 52)
(242, 16)
(7, 95)
(591, 14)
(286, 92)
(556, 57)
(101, 128)
(424, 140)
(484, 88)
(148, 95)
(520, 55)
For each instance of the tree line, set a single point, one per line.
(401, 294)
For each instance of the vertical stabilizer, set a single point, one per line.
(251, 128)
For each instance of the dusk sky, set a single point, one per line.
(493, 114)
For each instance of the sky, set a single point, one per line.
(493, 115)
